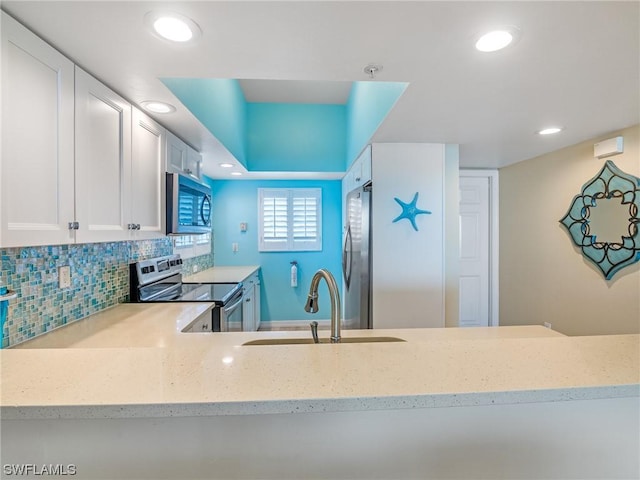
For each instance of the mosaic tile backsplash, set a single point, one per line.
(99, 279)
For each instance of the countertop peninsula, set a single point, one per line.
(133, 361)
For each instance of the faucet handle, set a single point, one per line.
(314, 331)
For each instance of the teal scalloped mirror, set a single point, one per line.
(603, 219)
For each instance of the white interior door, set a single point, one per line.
(478, 304)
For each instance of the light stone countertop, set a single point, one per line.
(222, 274)
(132, 361)
(125, 325)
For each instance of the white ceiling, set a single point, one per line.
(576, 64)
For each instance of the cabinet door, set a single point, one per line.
(256, 302)
(36, 167)
(176, 154)
(365, 172)
(103, 162)
(192, 166)
(147, 176)
(248, 316)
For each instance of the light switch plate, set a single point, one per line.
(64, 276)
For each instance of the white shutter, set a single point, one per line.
(305, 224)
(290, 219)
(273, 219)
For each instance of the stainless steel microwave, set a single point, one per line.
(188, 206)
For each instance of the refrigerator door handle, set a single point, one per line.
(347, 257)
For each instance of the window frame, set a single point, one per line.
(290, 244)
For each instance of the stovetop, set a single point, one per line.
(160, 280)
(219, 293)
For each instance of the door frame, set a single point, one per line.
(494, 237)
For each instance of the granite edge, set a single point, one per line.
(324, 405)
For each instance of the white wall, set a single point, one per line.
(408, 280)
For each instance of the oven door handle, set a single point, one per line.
(231, 308)
(175, 287)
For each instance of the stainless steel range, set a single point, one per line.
(160, 280)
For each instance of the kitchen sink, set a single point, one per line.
(301, 341)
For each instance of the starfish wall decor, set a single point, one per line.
(410, 211)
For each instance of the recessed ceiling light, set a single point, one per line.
(497, 39)
(172, 26)
(158, 107)
(226, 165)
(549, 131)
(236, 174)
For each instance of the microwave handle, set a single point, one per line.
(207, 199)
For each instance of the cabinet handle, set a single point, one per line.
(248, 300)
(137, 226)
(71, 226)
(74, 226)
(130, 226)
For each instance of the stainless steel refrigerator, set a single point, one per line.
(356, 259)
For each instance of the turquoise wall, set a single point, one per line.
(282, 137)
(368, 105)
(236, 201)
(219, 105)
(285, 137)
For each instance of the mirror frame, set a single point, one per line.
(608, 257)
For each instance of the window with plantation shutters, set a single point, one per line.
(290, 219)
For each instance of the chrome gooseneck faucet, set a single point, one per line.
(312, 300)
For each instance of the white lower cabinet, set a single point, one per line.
(251, 305)
(37, 163)
(201, 324)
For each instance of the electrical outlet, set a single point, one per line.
(64, 276)
(547, 324)
(234, 246)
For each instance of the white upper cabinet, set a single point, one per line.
(103, 162)
(181, 158)
(176, 153)
(358, 174)
(37, 165)
(147, 176)
(194, 160)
